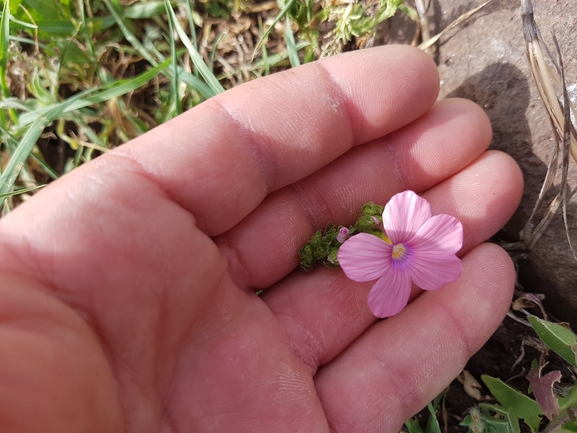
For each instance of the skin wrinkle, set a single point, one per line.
(454, 324)
(312, 361)
(344, 102)
(400, 383)
(265, 165)
(394, 156)
(309, 201)
(141, 170)
(237, 269)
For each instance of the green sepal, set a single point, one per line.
(324, 247)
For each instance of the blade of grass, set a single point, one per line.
(128, 34)
(21, 191)
(271, 61)
(49, 170)
(188, 78)
(139, 11)
(174, 79)
(219, 38)
(4, 46)
(113, 90)
(185, 76)
(264, 54)
(195, 56)
(28, 41)
(290, 44)
(189, 13)
(27, 143)
(13, 143)
(276, 20)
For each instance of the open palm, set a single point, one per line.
(127, 288)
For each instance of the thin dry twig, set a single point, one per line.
(428, 42)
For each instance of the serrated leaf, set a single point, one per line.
(561, 340)
(509, 419)
(483, 422)
(514, 402)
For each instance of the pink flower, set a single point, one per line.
(418, 247)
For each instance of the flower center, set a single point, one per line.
(399, 251)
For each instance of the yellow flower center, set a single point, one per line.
(399, 251)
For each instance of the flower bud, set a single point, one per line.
(343, 233)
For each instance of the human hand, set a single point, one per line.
(127, 288)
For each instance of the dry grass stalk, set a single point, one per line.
(559, 115)
(424, 23)
(428, 42)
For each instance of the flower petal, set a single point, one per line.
(431, 271)
(364, 257)
(441, 232)
(390, 294)
(404, 214)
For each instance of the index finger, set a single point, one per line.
(228, 153)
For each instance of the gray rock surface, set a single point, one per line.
(484, 60)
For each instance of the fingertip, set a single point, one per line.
(485, 292)
(399, 80)
(473, 119)
(493, 185)
(483, 196)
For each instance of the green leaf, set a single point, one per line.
(560, 339)
(570, 400)
(480, 420)
(514, 402)
(569, 427)
(141, 11)
(432, 423)
(413, 426)
(501, 422)
(45, 10)
(14, 6)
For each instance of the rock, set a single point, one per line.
(484, 60)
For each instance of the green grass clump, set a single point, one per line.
(79, 77)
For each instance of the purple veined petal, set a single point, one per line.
(390, 293)
(440, 233)
(364, 257)
(434, 270)
(404, 214)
